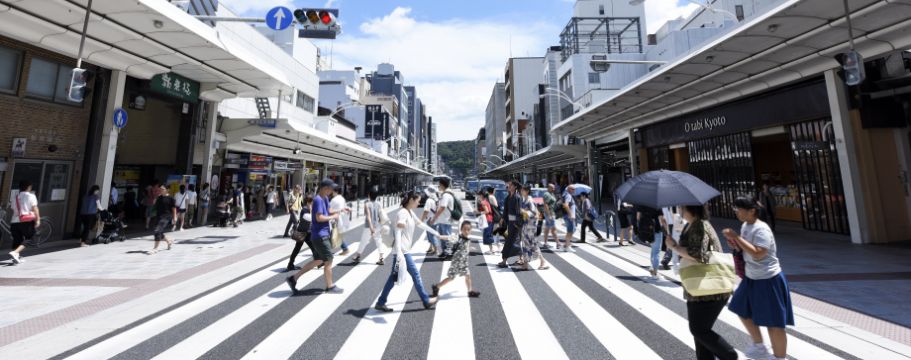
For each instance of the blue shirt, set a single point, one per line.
(320, 206)
(89, 205)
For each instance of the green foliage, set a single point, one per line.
(458, 156)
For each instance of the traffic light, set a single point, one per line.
(316, 17)
(79, 80)
(853, 65)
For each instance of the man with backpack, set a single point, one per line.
(651, 232)
(449, 210)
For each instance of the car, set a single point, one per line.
(537, 195)
(471, 189)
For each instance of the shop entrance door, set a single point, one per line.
(50, 183)
(821, 195)
(725, 163)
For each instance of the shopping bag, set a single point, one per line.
(715, 277)
(336, 238)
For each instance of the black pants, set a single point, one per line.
(509, 247)
(88, 223)
(297, 249)
(702, 316)
(292, 222)
(591, 226)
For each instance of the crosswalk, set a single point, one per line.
(592, 304)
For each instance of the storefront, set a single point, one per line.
(782, 138)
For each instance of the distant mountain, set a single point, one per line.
(458, 156)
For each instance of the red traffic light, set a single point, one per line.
(326, 18)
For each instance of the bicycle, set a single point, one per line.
(42, 233)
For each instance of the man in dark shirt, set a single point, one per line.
(320, 237)
(166, 208)
(513, 219)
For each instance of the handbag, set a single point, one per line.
(336, 238)
(482, 222)
(715, 277)
(24, 217)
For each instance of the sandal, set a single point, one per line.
(474, 294)
(502, 265)
(543, 267)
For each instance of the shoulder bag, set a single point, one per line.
(24, 216)
(715, 277)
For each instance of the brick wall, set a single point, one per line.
(43, 123)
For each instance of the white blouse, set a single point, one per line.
(405, 221)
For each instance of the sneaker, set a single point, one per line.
(567, 249)
(15, 256)
(380, 262)
(344, 252)
(292, 268)
(383, 308)
(772, 357)
(570, 250)
(357, 258)
(334, 290)
(429, 305)
(757, 351)
(435, 290)
(292, 284)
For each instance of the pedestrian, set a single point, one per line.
(695, 246)
(338, 205)
(293, 206)
(302, 225)
(130, 203)
(442, 219)
(182, 201)
(271, 197)
(224, 205)
(512, 220)
(768, 203)
(569, 217)
(528, 241)
(372, 227)
(192, 203)
(240, 212)
(651, 230)
(405, 222)
(166, 208)
(486, 212)
(88, 213)
(589, 214)
(320, 239)
(550, 223)
(430, 208)
(114, 201)
(25, 219)
(205, 198)
(625, 218)
(151, 196)
(459, 265)
(675, 222)
(763, 298)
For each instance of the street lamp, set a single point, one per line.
(704, 5)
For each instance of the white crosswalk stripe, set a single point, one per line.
(453, 333)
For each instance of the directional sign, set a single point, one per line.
(279, 18)
(120, 118)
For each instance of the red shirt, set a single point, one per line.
(485, 206)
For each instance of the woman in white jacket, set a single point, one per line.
(405, 222)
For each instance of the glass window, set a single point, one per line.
(64, 75)
(594, 78)
(305, 102)
(9, 69)
(55, 183)
(42, 78)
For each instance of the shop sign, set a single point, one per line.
(802, 102)
(19, 147)
(287, 165)
(127, 176)
(175, 86)
(264, 123)
(810, 145)
(259, 162)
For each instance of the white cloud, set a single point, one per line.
(244, 6)
(453, 63)
(329, 3)
(658, 12)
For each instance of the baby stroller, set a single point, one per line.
(111, 228)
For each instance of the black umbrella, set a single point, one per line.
(663, 188)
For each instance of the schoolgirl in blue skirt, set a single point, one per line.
(762, 299)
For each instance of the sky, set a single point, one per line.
(453, 52)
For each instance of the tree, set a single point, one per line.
(458, 155)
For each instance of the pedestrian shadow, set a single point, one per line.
(200, 242)
(137, 252)
(365, 313)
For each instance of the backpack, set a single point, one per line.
(456, 210)
(559, 210)
(646, 225)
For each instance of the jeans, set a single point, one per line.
(415, 276)
(444, 229)
(656, 249)
(433, 239)
(488, 235)
(590, 225)
(709, 345)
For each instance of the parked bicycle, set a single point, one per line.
(42, 233)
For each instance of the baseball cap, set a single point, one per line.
(327, 182)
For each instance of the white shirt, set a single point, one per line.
(446, 203)
(406, 221)
(337, 204)
(270, 197)
(181, 200)
(430, 207)
(191, 197)
(27, 200)
(115, 196)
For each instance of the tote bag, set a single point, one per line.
(715, 277)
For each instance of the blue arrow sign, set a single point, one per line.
(279, 18)
(120, 118)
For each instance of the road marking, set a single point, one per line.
(532, 335)
(452, 336)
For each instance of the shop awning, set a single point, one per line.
(245, 135)
(797, 39)
(145, 38)
(550, 157)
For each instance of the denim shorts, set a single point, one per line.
(570, 224)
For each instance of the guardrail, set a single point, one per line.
(357, 206)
